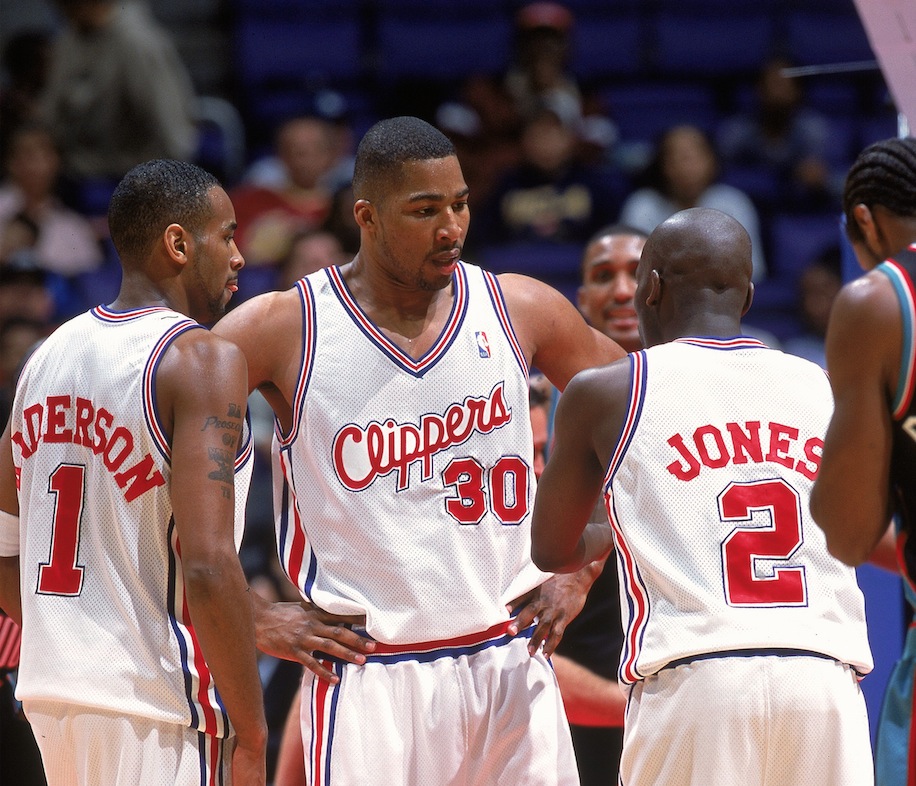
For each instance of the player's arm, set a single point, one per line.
(202, 392)
(555, 337)
(588, 420)
(589, 698)
(10, 600)
(851, 500)
(268, 329)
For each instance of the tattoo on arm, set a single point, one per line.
(225, 465)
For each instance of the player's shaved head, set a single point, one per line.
(699, 260)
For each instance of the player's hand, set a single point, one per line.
(249, 765)
(295, 631)
(552, 606)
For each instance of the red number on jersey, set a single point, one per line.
(61, 575)
(508, 490)
(745, 552)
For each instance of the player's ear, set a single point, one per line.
(364, 213)
(655, 288)
(749, 298)
(864, 218)
(177, 240)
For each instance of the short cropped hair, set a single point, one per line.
(388, 145)
(153, 195)
(883, 174)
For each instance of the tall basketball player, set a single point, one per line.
(743, 637)
(404, 485)
(119, 526)
(868, 471)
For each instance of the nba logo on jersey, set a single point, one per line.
(483, 346)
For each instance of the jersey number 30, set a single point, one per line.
(60, 575)
(749, 581)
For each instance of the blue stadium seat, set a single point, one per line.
(689, 44)
(556, 264)
(277, 50)
(797, 240)
(822, 38)
(605, 46)
(442, 47)
(644, 110)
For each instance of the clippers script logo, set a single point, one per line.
(362, 454)
(483, 346)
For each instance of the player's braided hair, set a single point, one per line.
(883, 174)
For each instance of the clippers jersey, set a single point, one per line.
(395, 496)
(901, 270)
(707, 494)
(106, 624)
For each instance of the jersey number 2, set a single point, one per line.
(61, 575)
(748, 548)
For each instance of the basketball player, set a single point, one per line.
(405, 484)
(744, 638)
(586, 659)
(868, 470)
(119, 549)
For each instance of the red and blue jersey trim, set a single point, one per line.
(637, 596)
(208, 715)
(307, 361)
(150, 408)
(711, 342)
(435, 353)
(502, 312)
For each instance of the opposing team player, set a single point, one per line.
(405, 485)
(138, 662)
(744, 638)
(868, 470)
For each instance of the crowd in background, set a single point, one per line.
(549, 155)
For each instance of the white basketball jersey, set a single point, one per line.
(707, 493)
(105, 619)
(405, 487)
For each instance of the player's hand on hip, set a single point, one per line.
(296, 631)
(551, 606)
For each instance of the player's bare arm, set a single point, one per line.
(850, 500)
(555, 337)
(9, 504)
(564, 536)
(268, 329)
(202, 392)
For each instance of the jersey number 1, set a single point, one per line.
(60, 575)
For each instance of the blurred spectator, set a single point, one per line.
(539, 74)
(33, 219)
(341, 222)
(269, 215)
(25, 290)
(551, 195)
(327, 105)
(684, 173)
(484, 125)
(486, 118)
(118, 93)
(26, 58)
(310, 250)
(818, 285)
(782, 134)
(17, 336)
